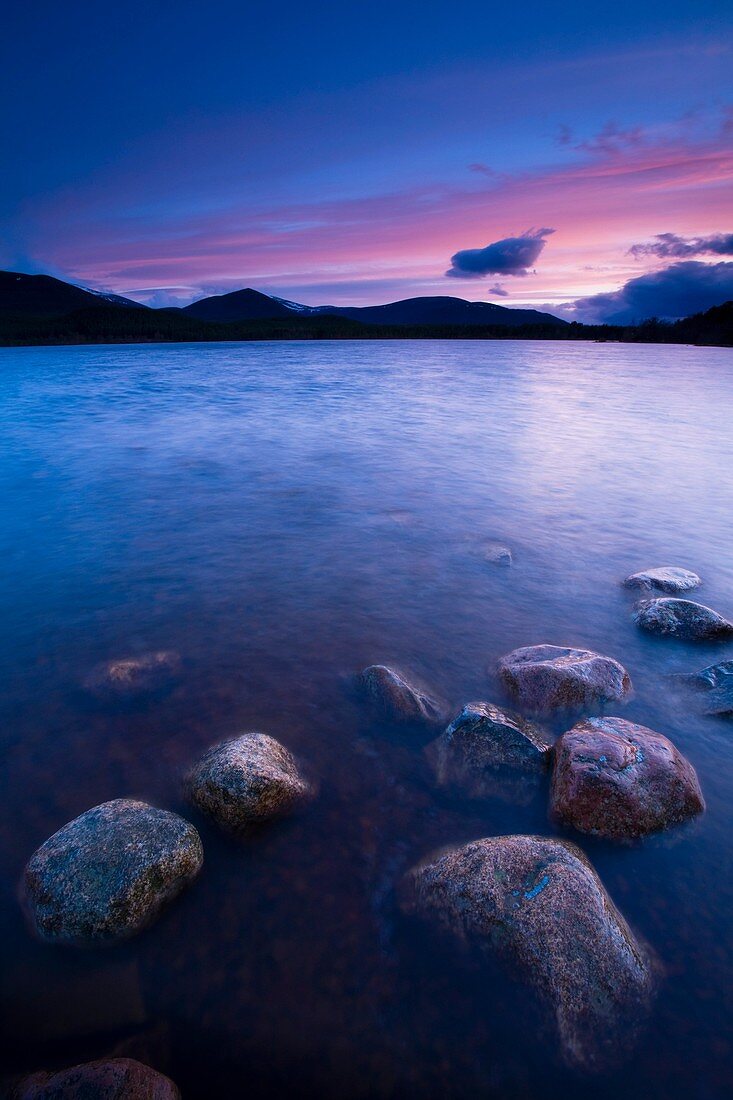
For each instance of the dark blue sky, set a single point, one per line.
(345, 152)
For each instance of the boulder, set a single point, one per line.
(665, 578)
(550, 677)
(246, 782)
(497, 554)
(538, 904)
(107, 1079)
(398, 699)
(488, 751)
(618, 780)
(135, 677)
(685, 619)
(716, 684)
(107, 874)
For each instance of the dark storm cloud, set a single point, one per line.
(671, 246)
(677, 291)
(511, 256)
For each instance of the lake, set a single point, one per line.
(283, 515)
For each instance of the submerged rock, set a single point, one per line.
(397, 698)
(619, 780)
(247, 781)
(716, 682)
(108, 873)
(665, 578)
(497, 554)
(683, 619)
(549, 677)
(107, 1079)
(134, 677)
(489, 751)
(541, 907)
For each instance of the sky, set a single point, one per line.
(573, 157)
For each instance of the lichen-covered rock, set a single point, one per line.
(716, 684)
(551, 677)
(488, 751)
(540, 906)
(108, 873)
(107, 1079)
(664, 578)
(685, 619)
(619, 780)
(135, 677)
(247, 781)
(497, 554)
(398, 699)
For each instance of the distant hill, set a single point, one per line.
(44, 296)
(249, 305)
(240, 305)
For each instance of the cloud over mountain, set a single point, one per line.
(672, 246)
(510, 256)
(677, 291)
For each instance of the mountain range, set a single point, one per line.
(45, 296)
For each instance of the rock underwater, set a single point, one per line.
(397, 699)
(488, 751)
(539, 905)
(108, 873)
(619, 780)
(715, 683)
(550, 677)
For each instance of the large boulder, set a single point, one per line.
(130, 678)
(618, 780)
(247, 781)
(108, 873)
(685, 619)
(716, 686)
(488, 751)
(551, 677)
(399, 700)
(540, 906)
(107, 1079)
(664, 578)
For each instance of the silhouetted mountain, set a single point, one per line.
(240, 305)
(441, 310)
(44, 296)
(248, 305)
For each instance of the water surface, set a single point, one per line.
(283, 515)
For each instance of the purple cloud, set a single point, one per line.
(677, 291)
(671, 246)
(510, 256)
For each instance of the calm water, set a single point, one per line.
(284, 514)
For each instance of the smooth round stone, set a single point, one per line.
(550, 677)
(107, 1079)
(539, 905)
(684, 619)
(398, 699)
(488, 751)
(108, 873)
(665, 578)
(619, 780)
(248, 781)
